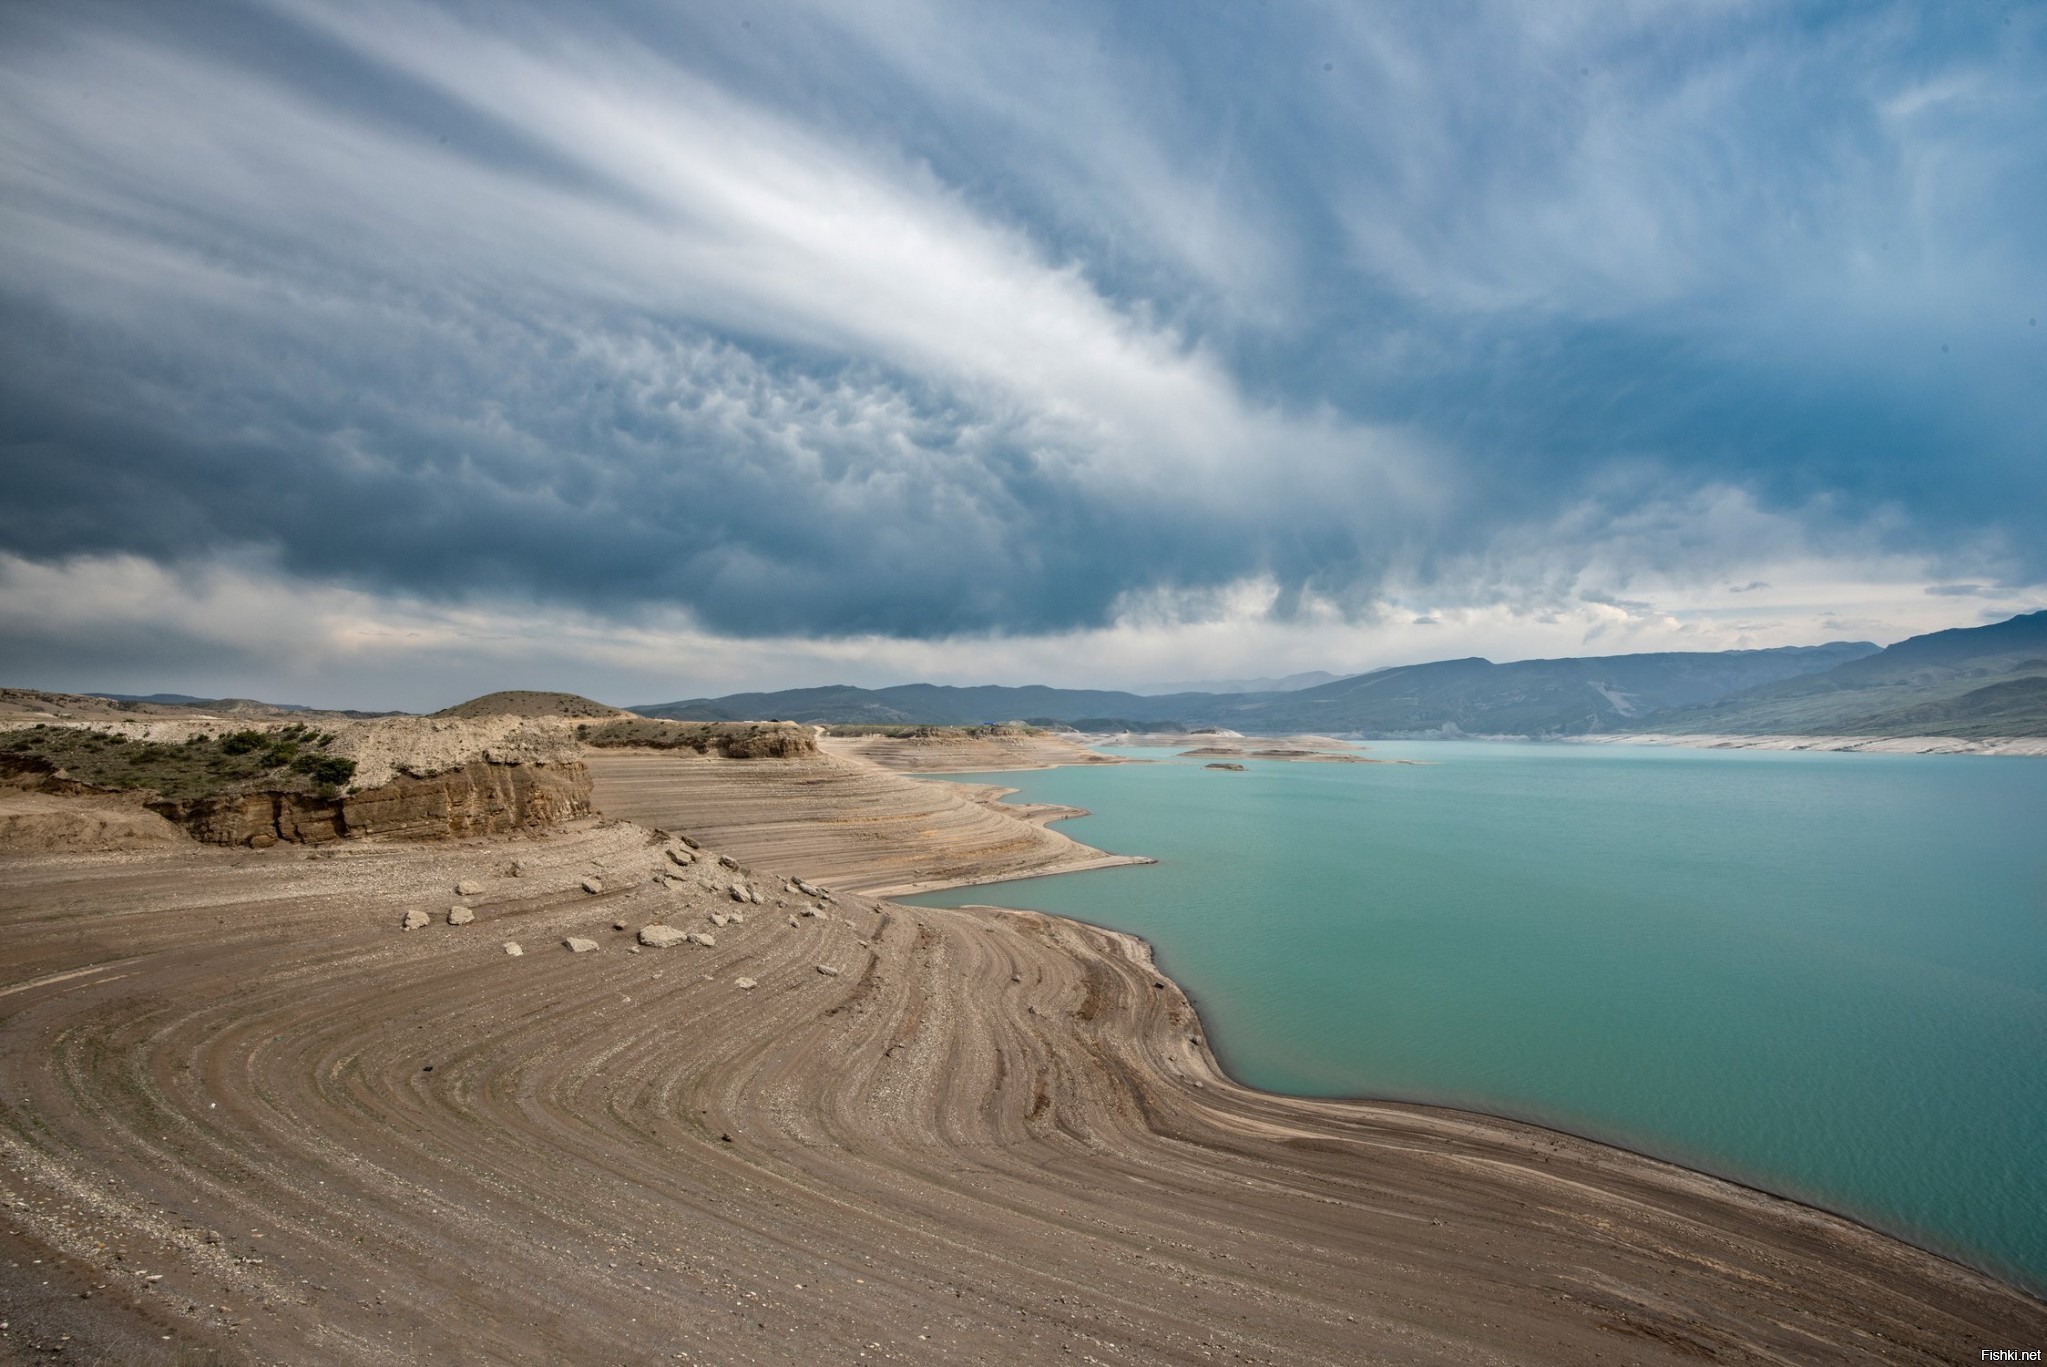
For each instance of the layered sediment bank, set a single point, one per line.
(245, 1117)
(842, 820)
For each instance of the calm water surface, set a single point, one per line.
(1825, 975)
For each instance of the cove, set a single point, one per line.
(1824, 975)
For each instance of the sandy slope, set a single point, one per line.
(841, 820)
(948, 753)
(992, 1137)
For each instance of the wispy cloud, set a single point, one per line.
(935, 329)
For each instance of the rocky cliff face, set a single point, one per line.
(477, 798)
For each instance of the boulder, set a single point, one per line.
(512, 950)
(460, 916)
(414, 920)
(661, 937)
(469, 888)
(593, 885)
(576, 944)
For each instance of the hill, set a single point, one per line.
(1474, 696)
(516, 702)
(1966, 682)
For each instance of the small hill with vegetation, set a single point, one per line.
(517, 702)
(289, 759)
(732, 740)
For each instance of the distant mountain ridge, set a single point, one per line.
(1967, 682)
(1472, 696)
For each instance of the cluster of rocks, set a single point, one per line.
(678, 855)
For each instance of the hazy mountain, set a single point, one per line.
(1529, 697)
(1971, 681)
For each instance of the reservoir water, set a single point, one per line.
(1824, 975)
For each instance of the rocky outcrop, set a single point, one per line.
(477, 798)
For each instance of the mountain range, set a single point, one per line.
(1970, 681)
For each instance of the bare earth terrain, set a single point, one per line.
(245, 1117)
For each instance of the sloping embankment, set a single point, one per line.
(840, 821)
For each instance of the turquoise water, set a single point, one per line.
(1821, 974)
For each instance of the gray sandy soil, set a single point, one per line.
(990, 1137)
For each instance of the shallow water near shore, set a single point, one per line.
(1821, 974)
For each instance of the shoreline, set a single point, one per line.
(1220, 1056)
(1864, 745)
(1001, 1137)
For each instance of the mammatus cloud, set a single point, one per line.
(917, 341)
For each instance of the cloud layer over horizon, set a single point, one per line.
(685, 349)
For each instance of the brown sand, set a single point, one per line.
(842, 820)
(951, 753)
(992, 1137)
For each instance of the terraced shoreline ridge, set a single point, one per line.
(247, 1115)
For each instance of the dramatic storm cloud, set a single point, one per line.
(649, 348)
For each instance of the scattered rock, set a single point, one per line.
(808, 890)
(618, 925)
(576, 944)
(518, 869)
(680, 857)
(727, 861)
(460, 916)
(812, 911)
(512, 950)
(702, 937)
(415, 920)
(593, 885)
(632, 949)
(745, 984)
(468, 888)
(793, 923)
(738, 893)
(828, 970)
(661, 937)
(737, 918)
(753, 895)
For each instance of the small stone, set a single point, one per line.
(576, 944)
(661, 937)
(680, 857)
(745, 984)
(812, 911)
(593, 885)
(753, 895)
(719, 919)
(737, 918)
(632, 949)
(212, 1236)
(618, 925)
(415, 920)
(518, 869)
(793, 923)
(727, 861)
(807, 889)
(704, 938)
(737, 893)
(828, 970)
(512, 950)
(468, 888)
(460, 916)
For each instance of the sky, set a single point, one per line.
(383, 353)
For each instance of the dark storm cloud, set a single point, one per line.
(920, 321)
